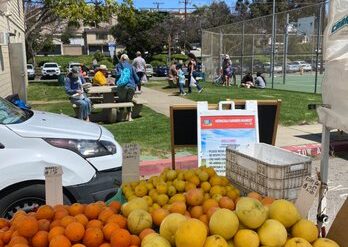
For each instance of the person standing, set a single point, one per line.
(140, 67)
(192, 66)
(181, 77)
(226, 70)
(173, 74)
(74, 88)
(127, 82)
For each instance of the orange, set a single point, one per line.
(76, 209)
(66, 220)
(55, 231)
(45, 212)
(44, 225)
(119, 220)
(93, 237)
(178, 207)
(55, 223)
(158, 215)
(204, 219)
(60, 241)
(194, 197)
(40, 239)
(28, 227)
(196, 212)
(211, 211)
(209, 204)
(109, 228)
(75, 231)
(17, 240)
(135, 240)
(115, 206)
(93, 210)
(60, 213)
(105, 214)
(95, 223)
(4, 223)
(82, 219)
(226, 202)
(255, 195)
(121, 238)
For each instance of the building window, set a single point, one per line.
(101, 36)
(2, 66)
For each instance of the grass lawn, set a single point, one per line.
(151, 131)
(293, 111)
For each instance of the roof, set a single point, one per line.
(97, 30)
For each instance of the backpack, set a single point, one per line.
(124, 78)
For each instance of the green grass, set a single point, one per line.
(293, 111)
(45, 91)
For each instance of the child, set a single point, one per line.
(181, 77)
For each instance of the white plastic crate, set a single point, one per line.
(266, 169)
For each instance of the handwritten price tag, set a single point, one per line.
(53, 170)
(309, 190)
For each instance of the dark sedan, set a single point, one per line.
(161, 71)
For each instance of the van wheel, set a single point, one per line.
(28, 199)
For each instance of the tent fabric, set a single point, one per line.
(335, 83)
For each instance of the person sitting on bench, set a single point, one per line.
(74, 88)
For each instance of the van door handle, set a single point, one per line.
(2, 146)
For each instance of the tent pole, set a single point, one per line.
(322, 217)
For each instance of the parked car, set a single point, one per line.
(149, 70)
(31, 71)
(71, 65)
(161, 71)
(50, 70)
(278, 68)
(293, 67)
(304, 65)
(31, 140)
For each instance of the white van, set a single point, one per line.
(31, 140)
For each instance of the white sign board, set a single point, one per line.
(220, 128)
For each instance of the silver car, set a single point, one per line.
(149, 70)
(293, 67)
(30, 72)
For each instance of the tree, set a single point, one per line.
(43, 17)
(133, 31)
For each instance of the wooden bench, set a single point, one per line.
(113, 111)
(138, 106)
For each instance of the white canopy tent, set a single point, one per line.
(334, 112)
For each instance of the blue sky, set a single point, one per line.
(173, 3)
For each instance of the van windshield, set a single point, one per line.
(10, 114)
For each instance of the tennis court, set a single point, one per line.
(296, 82)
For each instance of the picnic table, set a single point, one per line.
(105, 98)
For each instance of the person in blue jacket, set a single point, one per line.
(126, 91)
(74, 89)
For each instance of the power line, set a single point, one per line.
(185, 2)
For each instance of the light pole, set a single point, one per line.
(273, 43)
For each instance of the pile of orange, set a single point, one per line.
(78, 225)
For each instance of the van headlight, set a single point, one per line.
(85, 148)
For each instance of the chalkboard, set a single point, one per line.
(184, 122)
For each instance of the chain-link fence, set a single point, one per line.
(292, 62)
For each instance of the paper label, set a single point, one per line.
(309, 191)
(131, 161)
(53, 171)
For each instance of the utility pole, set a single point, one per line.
(185, 2)
(157, 5)
(273, 43)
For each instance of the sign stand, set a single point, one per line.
(131, 161)
(224, 127)
(53, 185)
